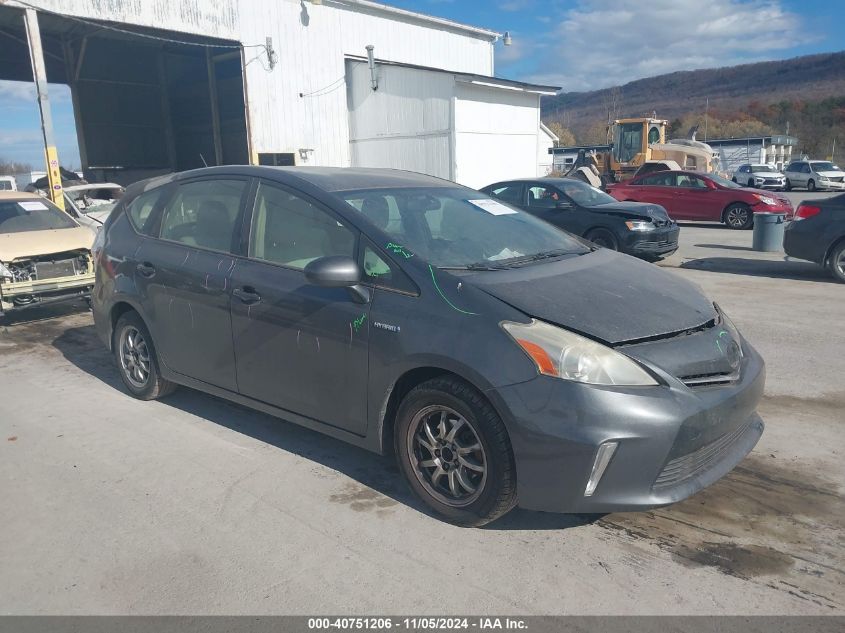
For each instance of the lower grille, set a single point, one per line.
(680, 469)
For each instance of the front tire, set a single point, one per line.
(811, 185)
(603, 238)
(454, 451)
(739, 216)
(788, 185)
(750, 183)
(836, 262)
(136, 359)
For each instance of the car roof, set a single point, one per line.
(19, 195)
(548, 179)
(329, 179)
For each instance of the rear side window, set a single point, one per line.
(291, 231)
(140, 210)
(204, 214)
(508, 193)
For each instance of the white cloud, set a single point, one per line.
(11, 91)
(598, 45)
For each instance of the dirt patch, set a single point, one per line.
(743, 561)
(362, 499)
(764, 521)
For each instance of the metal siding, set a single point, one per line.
(405, 124)
(311, 43)
(496, 135)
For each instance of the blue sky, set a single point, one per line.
(575, 44)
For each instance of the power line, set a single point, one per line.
(115, 29)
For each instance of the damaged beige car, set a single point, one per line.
(45, 255)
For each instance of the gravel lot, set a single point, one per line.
(192, 505)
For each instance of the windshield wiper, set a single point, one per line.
(540, 256)
(475, 266)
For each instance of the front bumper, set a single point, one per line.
(662, 241)
(673, 440)
(830, 184)
(44, 290)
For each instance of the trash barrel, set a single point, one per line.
(768, 231)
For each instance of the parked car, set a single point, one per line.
(696, 196)
(814, 174)
(819, 236)
(759, 177)
(651, 166)
(638, 229)
(502, 360)
(45, 255)
(8, 183)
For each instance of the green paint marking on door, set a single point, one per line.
(357, 323)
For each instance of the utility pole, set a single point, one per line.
(706, 111)
(39, 75)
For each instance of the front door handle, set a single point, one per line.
(247, 295)
(146, 269)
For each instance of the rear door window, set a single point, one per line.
(659, 179)
(204, 213)
(508, 193)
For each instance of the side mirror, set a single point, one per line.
(335, 271)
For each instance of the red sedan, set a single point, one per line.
(694, 196)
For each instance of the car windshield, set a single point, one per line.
(824, 166)
(460, 228)
(723, 182)
(18, 216)
(756, 169)
(584, 194)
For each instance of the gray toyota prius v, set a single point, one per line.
(501, 360)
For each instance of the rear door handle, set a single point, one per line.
(247, 295)
(146, 269)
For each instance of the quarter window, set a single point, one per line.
(204, 214)
(289, 230)
(141, 209)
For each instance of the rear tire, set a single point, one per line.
(136, 359)
(836, 262)
(739, 216)
(454, 451)
(603, 238)
(811, 185)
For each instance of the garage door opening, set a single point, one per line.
(145, 103)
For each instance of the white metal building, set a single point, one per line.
(165, 85)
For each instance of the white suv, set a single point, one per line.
(814, 174)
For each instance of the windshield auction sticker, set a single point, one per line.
(492, 206)
(35, 205)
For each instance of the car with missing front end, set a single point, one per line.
(640, 229)
(45, 255)
(501, 360)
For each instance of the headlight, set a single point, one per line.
(639, 225)
(5, 273)
(729, 326)
(564, 354)
(823, 177)
(766, 200)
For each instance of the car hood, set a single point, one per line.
(33, 243)
(605, 295)
(765, 174)
(634, 209)
(831, 174)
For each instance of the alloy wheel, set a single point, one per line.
(134, 357)
(840, 263)
(448, 456)
(737, 217)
